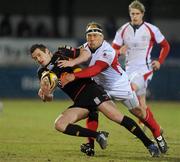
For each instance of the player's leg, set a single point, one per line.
(139, 84)
(109, 109)
(146, 117)
(149, 121)
(92, 124)
(152, 124)
(65, 124)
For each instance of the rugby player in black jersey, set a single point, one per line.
(87, 97)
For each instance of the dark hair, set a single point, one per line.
(39, 46)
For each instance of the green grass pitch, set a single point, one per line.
(27, 134)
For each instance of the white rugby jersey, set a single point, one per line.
(140, 42)
(113, 77)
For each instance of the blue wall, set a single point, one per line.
(23, 83)
(165, 84)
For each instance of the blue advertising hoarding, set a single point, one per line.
(21, 83)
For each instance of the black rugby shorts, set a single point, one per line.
(90, 97)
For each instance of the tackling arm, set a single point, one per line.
(83, 56)
(92, 70)
(85, 73)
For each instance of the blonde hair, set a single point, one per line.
(93, 25)
(137, 5)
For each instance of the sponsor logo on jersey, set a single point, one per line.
(97, 101)
(104, 54)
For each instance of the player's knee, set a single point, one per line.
(118, 117)
(59, 125)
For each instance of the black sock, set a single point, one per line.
(132, 126)
(76, 130)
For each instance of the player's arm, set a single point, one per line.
(118, 42)
(44, 91)
(85, 73)
(116, 48)
(165, 47)
(91, 71)
(45, 97)
(120, 50)
(77, 56)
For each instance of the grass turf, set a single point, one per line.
(27, 135)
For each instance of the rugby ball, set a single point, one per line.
(51, 78)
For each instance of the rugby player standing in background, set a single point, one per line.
(135, 40)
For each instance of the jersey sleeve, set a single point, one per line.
(91, 70)
(159, 37)
(118, 39)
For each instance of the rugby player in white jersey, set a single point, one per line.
(135, 40)
(86, 95)
(107, 72)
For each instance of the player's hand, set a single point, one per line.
(45, 86)
(123, 50)
(41, 94)
(44, 97)
(65, 63)
(66, 78)
(48, 98)
(156, 65)
(65, 50)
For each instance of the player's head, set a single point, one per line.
(40, 54)
(94, 35)
(136, 12)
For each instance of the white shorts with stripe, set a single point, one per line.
(123, 92)
(141, 79)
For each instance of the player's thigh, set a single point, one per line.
(109, 109)
(142, 101)
(139, 82)
(131, 103)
